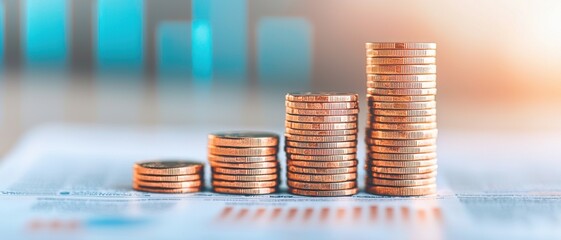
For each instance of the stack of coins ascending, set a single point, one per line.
(321, 133)
(244, 162)
(168, 176)
(401, 128)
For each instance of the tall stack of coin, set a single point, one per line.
(401, 128)
(244, 162)
(168, 176)
(321, 139)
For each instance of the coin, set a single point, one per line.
(328, 193)
(419, 98)
(168, 167)
(320, 151)
(404, 170)
(328, 158)
(301, 138)
(398, 119)
(400, 53)
(322, 105)
(272, 164)
(402, 156)
(185, 184)
(321, 186)
(322, 171)
(321, 144)
(230, 184)
(321, 97)
(401, 69)
(401, 91)
(319, 164)
(392, 149)
(244, 139)
(400, 45)
(403, 126)
(239, 171)
(171, 178)
(391, 85)
(241, 159)
(244, 191)
(397, 60)
(402, 105)
(402, 191)
(321, 178)
(321, 119)
(404, 164)
(421, 134)
(165, 190)
(296, 132)
(401, 78)
(403, 176)
(401, 183)
(321, 111)
(244, 178)
(403, 113)
(401, 143)
(321, 126)
(253, 151)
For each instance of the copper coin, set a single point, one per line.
(401, 78)
(321, 119)
(272, 164)
(244, 139)
(400, 53)
(322, 171)
(230, 184)
(320, 144)
(401, 183)
(252, 151)
(244, 191)
(316, 112)
(328, 158)
(321, 186)
(318, 164)
(185, 184)
(402, 157)
(403, 113)
(421, 134)
(239, 171)
(392, 85)
(398, 60)
(419, 98)
(410, 170)
(321, 105)
(321, 97)
(302, 138)
(397, 119)
(320, 151)
(245, 178)
(403, 164)
(241, 159)
(307, 133)
(326, 193)
(403, 176)
(321, 178)
(401, 91)
(403, 191)
(401, 143)
(403, 126)
(321, 126)
(401, 69)
(171, 178)
(400, 45)
(165, 190)
(402, 105)
(389, 149)
(168, 167)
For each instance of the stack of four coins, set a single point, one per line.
(168, 176)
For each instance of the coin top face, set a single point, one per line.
(245, 134)
(168, 164)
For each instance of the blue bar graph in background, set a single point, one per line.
(202, 43)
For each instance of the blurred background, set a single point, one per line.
(230, 62)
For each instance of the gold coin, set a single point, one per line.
(245, 178)
(316, 112)
(321, 119)
(402, 105)
(320, 151)
(400, 45)
(321, 126)
(325, 193)
(401, 91)
(176, 178)
(253, 151)
(319, 164)
(243, 139)
(398, 119)
(320, 144)
(403, 164)
(400, 183)
(321, 178)
(391, 149)
(403, 113)
(321, 97)
(239, 171)
(321, 105)
(401, 78)
(322, 171)
(321, 186)
(403, 126)
(230, 184)
(165, 190)
(300, 138)
(397, 60)
(403, 191)
(392, 85)
(168, 168)
(400, 53)
(185, 184)
(329, 158)
(401, 143)
(241, 159)
(297, 132)
(244, 191)
(403, 176)
(402, 156)
(405, 170)
(419, 98)
(271, 164)
(409, 135)
(401, 69)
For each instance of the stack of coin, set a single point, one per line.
(321, 139)
(168, 176)
(244, 162)
(401, 128)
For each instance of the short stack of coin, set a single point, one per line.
(168, 176)
(244, 162)
(320, 143)
(401, 128)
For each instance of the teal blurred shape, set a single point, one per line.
(174, 49)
